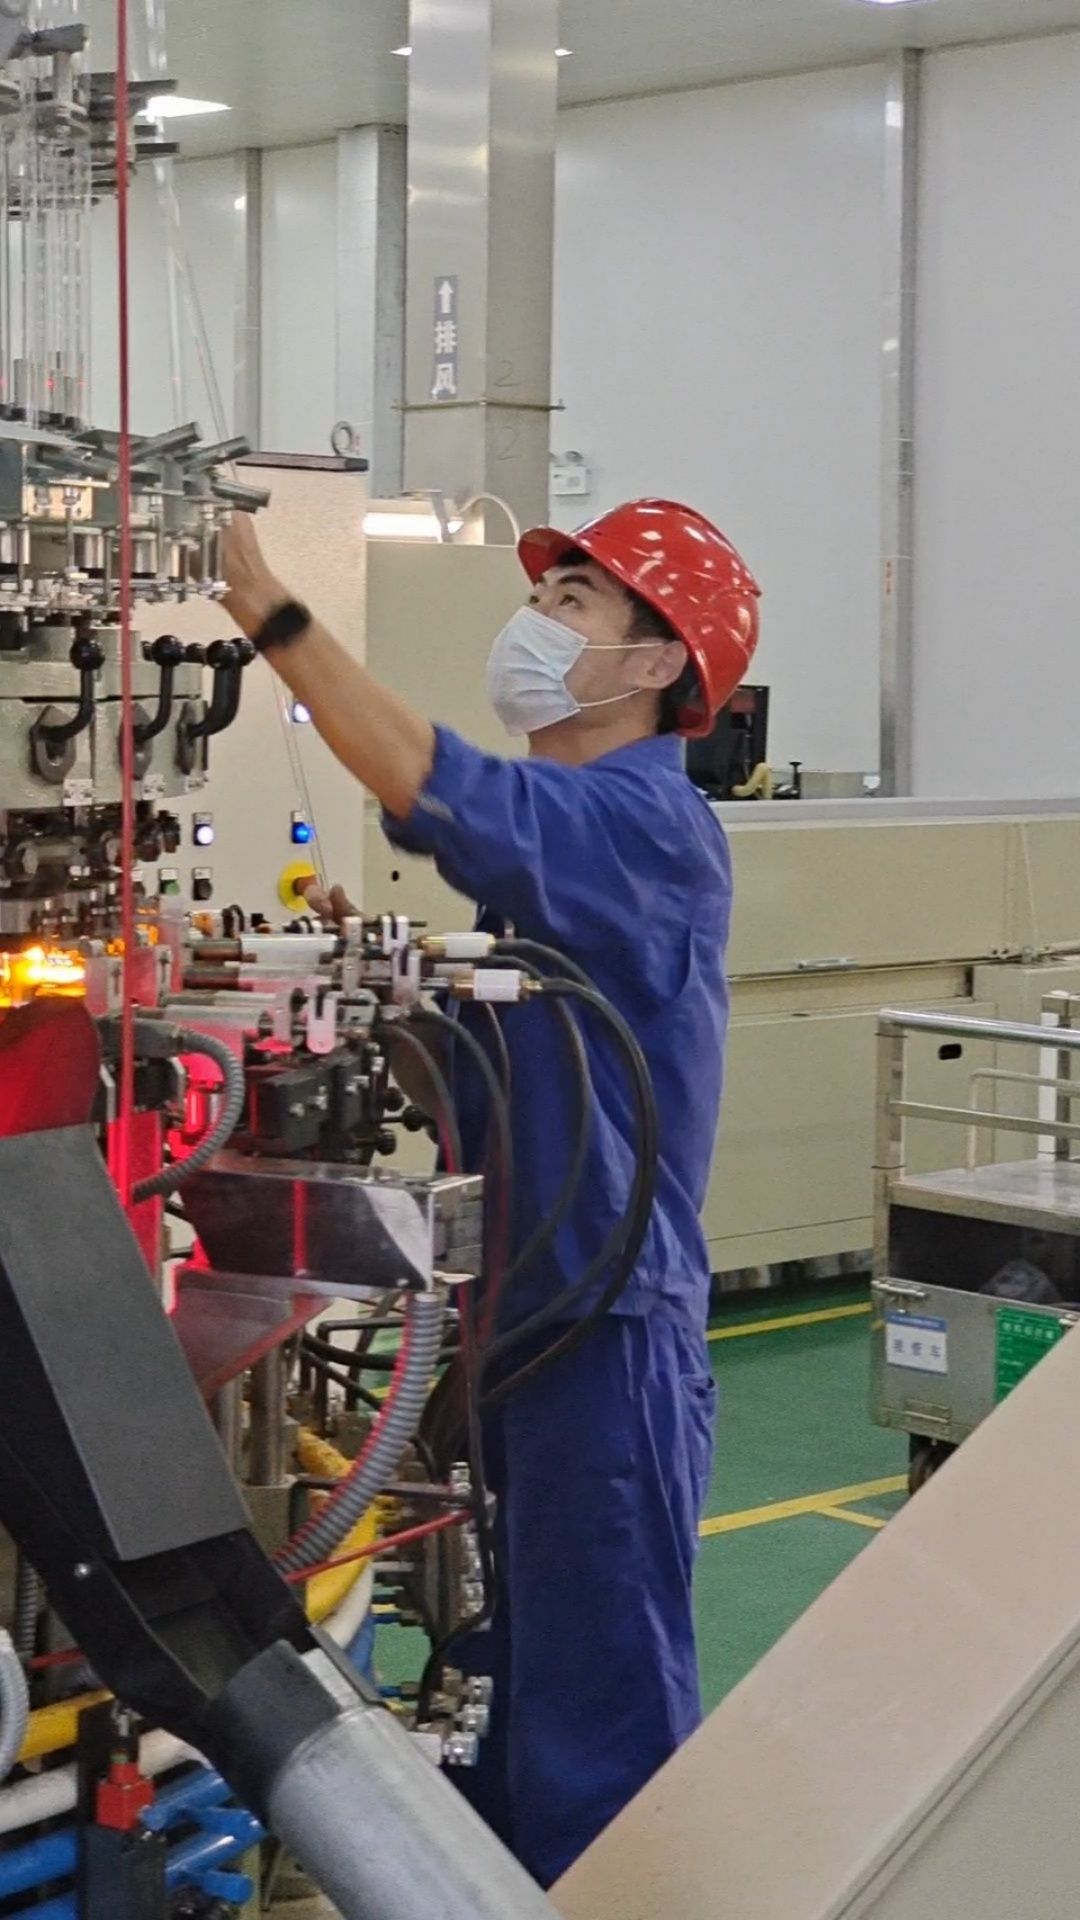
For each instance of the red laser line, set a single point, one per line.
(127, 717)
(389, 1543)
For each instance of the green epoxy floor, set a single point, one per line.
(794, 1423)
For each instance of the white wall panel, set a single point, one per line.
(997, 607)
(206, 197)
(299, 269)
(717, 339)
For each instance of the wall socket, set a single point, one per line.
(569, 476)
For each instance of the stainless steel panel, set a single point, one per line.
(941, 1406)
(225, 1325)
(481, 162)
(1042, 1194)
(340, 1229)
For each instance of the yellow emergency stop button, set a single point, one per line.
(289, 883)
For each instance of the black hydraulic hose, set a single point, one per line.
(500, 1113)
(377, 1362)
(357, 1359)
(502, 1051)
(545, 1230)
(544, 957)
(387, 1324)
(446, 1118)
(354, 1392)
(636, 1224)
(614, 1246)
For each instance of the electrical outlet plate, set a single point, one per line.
(569, 478)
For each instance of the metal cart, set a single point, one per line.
(976, 1270)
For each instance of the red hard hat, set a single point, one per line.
(685, 568)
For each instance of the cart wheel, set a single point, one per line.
(927, 1456)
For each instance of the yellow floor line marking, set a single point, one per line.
(853, 1519)
(818, 1319)
(791, 1509)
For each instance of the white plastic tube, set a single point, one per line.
(14, 1704)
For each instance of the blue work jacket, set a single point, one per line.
(624, 867)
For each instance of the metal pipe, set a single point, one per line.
(233, 494)
(995, 1122)
(216, 455)
(1070, 1088)
(953, 1027)
(267, 1458)
(410, 1848)
(174, 441)
(227, 1414)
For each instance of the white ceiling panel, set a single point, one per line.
(294, 70)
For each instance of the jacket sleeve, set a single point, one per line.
(564, 853)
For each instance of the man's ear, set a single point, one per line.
(662, 666)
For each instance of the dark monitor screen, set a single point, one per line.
(736, 747)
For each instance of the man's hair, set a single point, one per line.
(648, 623)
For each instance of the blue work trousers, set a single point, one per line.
(601, 1467)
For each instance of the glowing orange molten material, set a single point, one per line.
(36, 972)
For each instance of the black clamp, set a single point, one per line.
(52, 739)
(228, 658)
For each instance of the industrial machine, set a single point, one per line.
(221, 1305)
(195, 1118)
(976, 1275)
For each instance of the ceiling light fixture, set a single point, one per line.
(893, 3)
(173, 106)
(566, 53)
(406, 518)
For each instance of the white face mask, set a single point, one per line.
(527, 671)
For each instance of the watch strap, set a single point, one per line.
(287, 623)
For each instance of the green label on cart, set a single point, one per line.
(1023, 1339)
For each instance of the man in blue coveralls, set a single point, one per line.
(638, 629)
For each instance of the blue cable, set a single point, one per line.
(52, 1858)
(362, 1650)
(178, 1803)
(226, 1833)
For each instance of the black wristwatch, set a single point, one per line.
(287, 623)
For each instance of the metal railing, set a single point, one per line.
(895, 1109)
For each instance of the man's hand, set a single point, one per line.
(254, 592)
(384, 742)
(332, 908)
